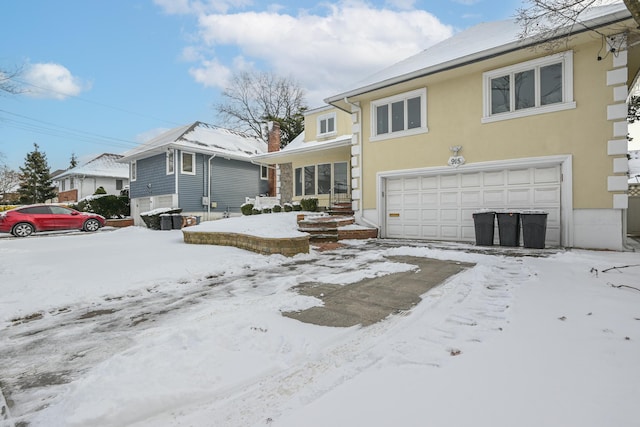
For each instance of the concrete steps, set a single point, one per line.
(331, 228)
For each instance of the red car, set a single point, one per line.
(23, 221)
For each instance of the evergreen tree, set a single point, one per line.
(35, 179)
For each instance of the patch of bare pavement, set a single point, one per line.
(372, 300)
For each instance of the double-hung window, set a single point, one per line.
(170, 162)
(534, 87)
(188, 163)
(327, 125)
(400, 115)
(134, 171)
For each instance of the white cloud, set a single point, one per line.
(325, 53)
(49, 80)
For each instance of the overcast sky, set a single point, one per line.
(104, 76)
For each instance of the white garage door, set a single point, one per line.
(441, 207)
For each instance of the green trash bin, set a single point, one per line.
(483, 222)
(534, 229)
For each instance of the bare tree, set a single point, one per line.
(7, 82)
(253, 98)
(552, 21)
(9, 180)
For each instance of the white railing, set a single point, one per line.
(260, 202)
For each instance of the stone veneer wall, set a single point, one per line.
(289, 246)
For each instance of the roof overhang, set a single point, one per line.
(190, 148)
(342, 100)
(284, 155)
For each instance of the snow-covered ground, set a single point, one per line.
(133, 327)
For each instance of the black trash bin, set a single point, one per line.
(534, 229)
(165, 222)
(509, 228)
(484, 224)
(176, 220)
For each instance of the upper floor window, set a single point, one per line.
(534, 87)
(188, 163)
(170, 162)
(400, 115)
(327, 124)
(134, 171)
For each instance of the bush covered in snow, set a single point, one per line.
(246, 208)
(310, 205)
(109, 206)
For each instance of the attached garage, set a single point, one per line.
(439, 204)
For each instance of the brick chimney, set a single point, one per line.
(273, 141)
(273, 144)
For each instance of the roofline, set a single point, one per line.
(173, 145)
(344, 141)
(513, 46)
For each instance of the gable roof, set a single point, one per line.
(105, 165)
(480, 42)
(202, 138)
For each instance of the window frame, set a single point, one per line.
(326, 117)
(299, 179)
(171, 161)
(389, 101)
(563, 58)
(264, 172)
(193, 163)
(134, 170)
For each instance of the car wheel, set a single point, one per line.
(22, 229)
(91, 225)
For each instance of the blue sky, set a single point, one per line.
(105, 76)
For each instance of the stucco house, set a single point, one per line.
(82, 181)
(205, 170)
(486, 120)
(317, 163)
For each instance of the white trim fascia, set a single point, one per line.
(343, 141)
(566, 183)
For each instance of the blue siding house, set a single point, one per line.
(205, 170)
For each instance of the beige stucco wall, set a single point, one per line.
(343, 123)
(454, 113)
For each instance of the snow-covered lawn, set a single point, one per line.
(134, 327)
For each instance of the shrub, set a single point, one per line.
(246, 209)
(288, 207)
(309, 205)
(256, 211)
(109, 206)
(266, 210)
(296, 206)
(100, 190)
(277, 208)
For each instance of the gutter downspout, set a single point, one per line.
(358, 110)
(209, 186)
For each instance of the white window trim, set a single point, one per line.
(327, 117)
(264, 172)
(134, 170)
(169, 156)
(389, 100)
(193, 163)
(566, 58)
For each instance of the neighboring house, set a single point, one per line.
(205, 170)
(633, 213)
(317, 163)
(484, 120)
(82, 181)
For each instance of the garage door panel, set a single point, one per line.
(493, 178)
(441, 207)
(546, 175)
(429, 182)
(471, 198)
(471, 179)
(449, 181)
(449, 198)
(493, 198)
(546, 195)
(518, 177)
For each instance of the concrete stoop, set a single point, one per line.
(331, 228)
